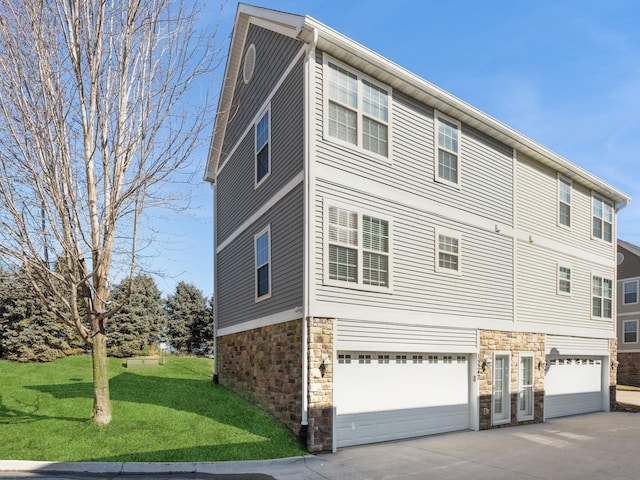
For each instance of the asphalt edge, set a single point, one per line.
(116, 468)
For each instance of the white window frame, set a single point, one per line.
(624, 338)
(599, 198)
(559, 279)
(358, 284)
(436, 156)
(256, 266)
(505, 416)
(359, 110)
(258, 182)
(624, 300)
(526, 389)
(562, 179)
(601, 296)
(452, 234)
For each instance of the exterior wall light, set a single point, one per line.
(542, 365)
(614, 364)
(486, 362)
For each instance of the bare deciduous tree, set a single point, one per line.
(95, 118)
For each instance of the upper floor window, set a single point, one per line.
(630, 292)
(448, 251)
(601, 295)
(447, 149)
(602, 219)
(358, 249)
(564, 280)
(357, 109)
(564, 201)
(263, 153)
(630, 331)
(262, 243)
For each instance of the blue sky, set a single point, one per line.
(565, 73)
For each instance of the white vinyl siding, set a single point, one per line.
(564, 201)
(358, 246)
(602, 219)
(447, 148)
(630, 331)
(357, 109)
(537, 209)
(630, 292)
(601, 297)
(537, 296)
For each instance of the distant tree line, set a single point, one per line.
(183, 320)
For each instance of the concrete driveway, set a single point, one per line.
(593, 446)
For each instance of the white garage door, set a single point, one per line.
(388, 396)
(572, 385)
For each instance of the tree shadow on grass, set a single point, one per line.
(27, 413)
(198, 397)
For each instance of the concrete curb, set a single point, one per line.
(116, 468)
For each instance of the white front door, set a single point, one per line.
(525, 387)
(501, 403)
(382, 396)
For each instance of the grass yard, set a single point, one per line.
(170, 413)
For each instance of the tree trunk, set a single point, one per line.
(101, 403)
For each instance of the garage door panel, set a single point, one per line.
(573, 386)
(382, 397)
(370, 427)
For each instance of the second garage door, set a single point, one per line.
(388, 396)
(572, 385)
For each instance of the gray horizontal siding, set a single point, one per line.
(274, 53)
(484, 290)
(235, 270)
(487, 165)
(367, 336)
(536, 292)
(236, 192)
(630, 267)
(559, 345)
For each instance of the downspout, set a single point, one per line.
(309, 96)
(215, 296)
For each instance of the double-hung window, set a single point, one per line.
(358, 247)
(630, 328)
(564, 280)
(448, 251)
(601, 297)
(263, 151)
(447, 150)
(357, 109)
(262, 246)
(602, 219)
(564, 201)
(630, 292)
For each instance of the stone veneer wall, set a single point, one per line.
(629, 369)
(320, 391)
(614, 373)
(515, 342)
(265, 366)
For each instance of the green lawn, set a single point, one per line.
(170, 413)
